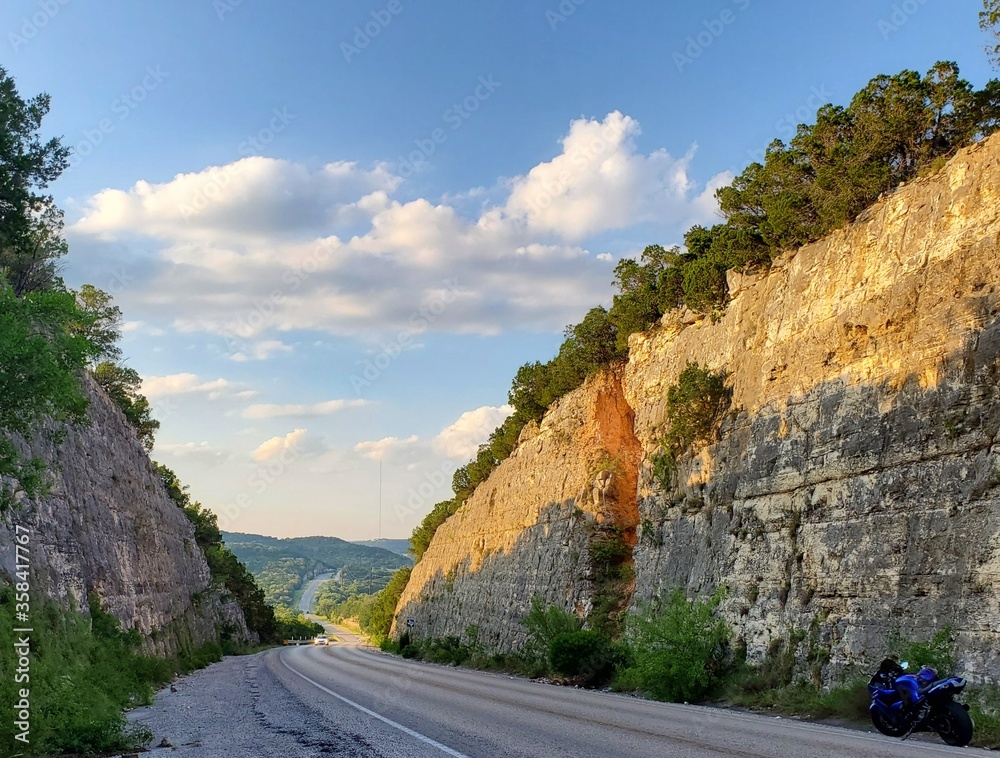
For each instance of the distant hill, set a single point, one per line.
(395, 546)
(282, 566)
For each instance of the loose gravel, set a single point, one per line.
(238, 708)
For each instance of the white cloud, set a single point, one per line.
(281, 247)
(261, 351)
(253, 197)
(463, 438)
(183, 384)
(379, 450)
(276, 446)
(268, 411)
(601, 182)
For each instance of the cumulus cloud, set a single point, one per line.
(329, 407)
(378, 450)
(463, 438)
(253, 197)
(600, 182)
(281, 247)
(276, 446)
(184, 384)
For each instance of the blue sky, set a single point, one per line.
(337, 229)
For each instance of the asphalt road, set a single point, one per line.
(446, 711)
(309, 593)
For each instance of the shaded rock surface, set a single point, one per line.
(107, 527)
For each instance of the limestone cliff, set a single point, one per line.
(855, 486)
(529, 528)
(108, 527)
(854, 490)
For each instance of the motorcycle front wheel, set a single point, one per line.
(953, 724)
(887, 727)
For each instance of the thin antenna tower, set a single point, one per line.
(380, 498)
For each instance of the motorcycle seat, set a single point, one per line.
(925, 688)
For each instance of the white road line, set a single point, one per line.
(395, 725)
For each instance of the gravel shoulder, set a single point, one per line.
(240, 708)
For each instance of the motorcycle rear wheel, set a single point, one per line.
(953, 724)
(884, 725)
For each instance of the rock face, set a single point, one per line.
(854, 488)
(529, 528)
(853, 492)
(107, 527)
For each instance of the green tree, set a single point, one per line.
(27, 166)
(122, 386)
(30, 264)
(647, 289)
(40, 361)
(100, 321)
(292, 625)
(694, 406)
(989, 20)
(43, 343)
(376, 619)
(422, 535)
(227, 570)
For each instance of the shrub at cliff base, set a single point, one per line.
(677, 652)
(544, 625)
(83, 673)
(582, 654)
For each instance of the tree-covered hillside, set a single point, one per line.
(282, 566)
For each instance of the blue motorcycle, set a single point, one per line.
(906, 703)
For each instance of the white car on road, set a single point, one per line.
(321, 640)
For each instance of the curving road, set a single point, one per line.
(347, 700)
(309, 593)
(448, 711)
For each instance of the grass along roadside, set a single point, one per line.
(680, 652)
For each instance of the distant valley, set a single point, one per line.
(283, 566)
